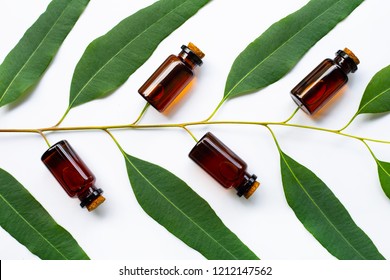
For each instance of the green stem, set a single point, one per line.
(292, 115)
(332, 131)
(39, 131)
(115, 140)
(44, 137)
(63, 117)
(274, 137)
(184, 125)
(216, 110)
(142, 113)
(369, 149)
(190, 133)
(348, 123)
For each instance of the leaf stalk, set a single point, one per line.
(141, 114)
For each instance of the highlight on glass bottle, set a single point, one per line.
(224, 165)
(317, 88)
(73, 175)
(170, 79)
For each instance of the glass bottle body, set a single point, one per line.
(170, 79)
(317, 88)
(72, 174)
(223, 165)
(166, 83)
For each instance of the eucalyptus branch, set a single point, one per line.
(185, 126)
(111, 59)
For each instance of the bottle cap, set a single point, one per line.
(352, 55)
(252, 189)
(95, 203)
(196, 50)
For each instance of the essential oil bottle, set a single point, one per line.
(224, 165)
(317, 88)
(73, 175)
(169, 80)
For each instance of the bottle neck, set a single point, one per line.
(248, 185)
(90, 197)
(189, 57)
(345, 62)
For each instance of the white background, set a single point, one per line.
(120, 229)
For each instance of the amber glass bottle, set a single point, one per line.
(169, 80)
(224, 165)
(73, 175)
(317, 88)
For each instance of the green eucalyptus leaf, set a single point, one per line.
(27, 62)
(173, 204)
(322, 213)
(109, 60)
(384, 176)
(280, 47)
(376, 97)
(30, 224)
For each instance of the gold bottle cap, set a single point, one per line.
(94, 204)
(252, 189)
(352, 56)
(195, 50)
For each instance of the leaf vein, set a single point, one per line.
(31, 226)
(178, 209)
(287, 41)
(372, 100)
(319, 208)
(34, 52)
(381, 166)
